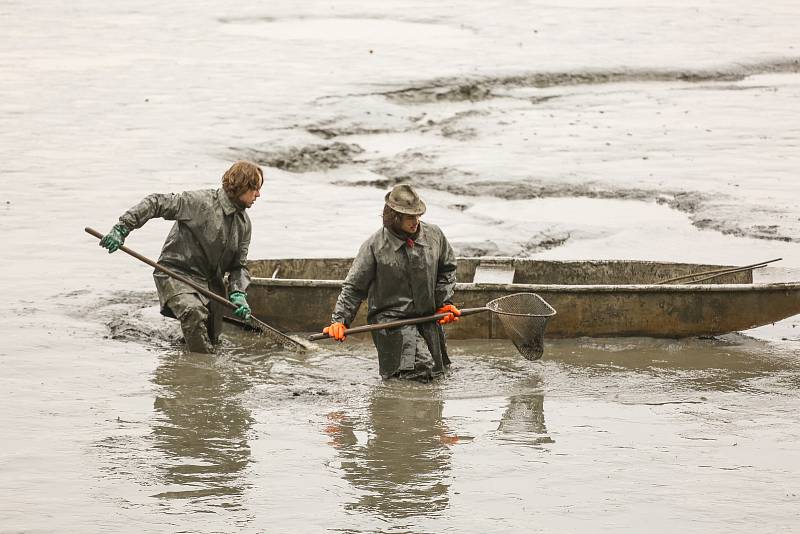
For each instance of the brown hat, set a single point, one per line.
(403, 199)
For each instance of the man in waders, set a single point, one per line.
(210, 237)
(406, 269)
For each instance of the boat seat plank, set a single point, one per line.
(494, 273)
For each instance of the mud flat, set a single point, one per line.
(222, 433)
(670, 133)
(695, 140)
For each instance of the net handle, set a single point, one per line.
(436, 317)
(400, 322)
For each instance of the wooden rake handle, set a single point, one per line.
(272, 332)
(200, 289)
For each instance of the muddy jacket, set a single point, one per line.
(400, 282)
(210, 237)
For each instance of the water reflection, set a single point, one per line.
(201, 428)
(728, 363)
(523, 417)
(402, 460)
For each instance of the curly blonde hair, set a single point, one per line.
(243, 176)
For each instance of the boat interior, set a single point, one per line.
(524, 271)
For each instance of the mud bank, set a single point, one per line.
(705, 211)
(601, 135)
(473, 90)
(318, 157)
(536, 243)
(708, 211)
(388, 123)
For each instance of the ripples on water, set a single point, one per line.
(228, 433)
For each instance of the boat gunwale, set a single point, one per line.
(562, 288)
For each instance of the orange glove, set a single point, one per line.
(452, 312)
(336, 331)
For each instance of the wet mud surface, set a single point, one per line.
(670, 134)
(305, 159)
(483, 89)
(223, 432)
(487, 117)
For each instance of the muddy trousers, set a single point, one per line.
(416, 362)
(201, 323)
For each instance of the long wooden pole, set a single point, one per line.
(399, 322)
(719, 272)
(273, 333)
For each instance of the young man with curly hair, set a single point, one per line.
(210, 238)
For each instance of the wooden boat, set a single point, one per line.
(593, 298)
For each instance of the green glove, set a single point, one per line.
(115, 238)
(240, 299)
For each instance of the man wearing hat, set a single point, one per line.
(406, 269)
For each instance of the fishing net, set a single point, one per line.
(524, 317)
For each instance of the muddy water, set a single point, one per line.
(601, 435)
(588, 131)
